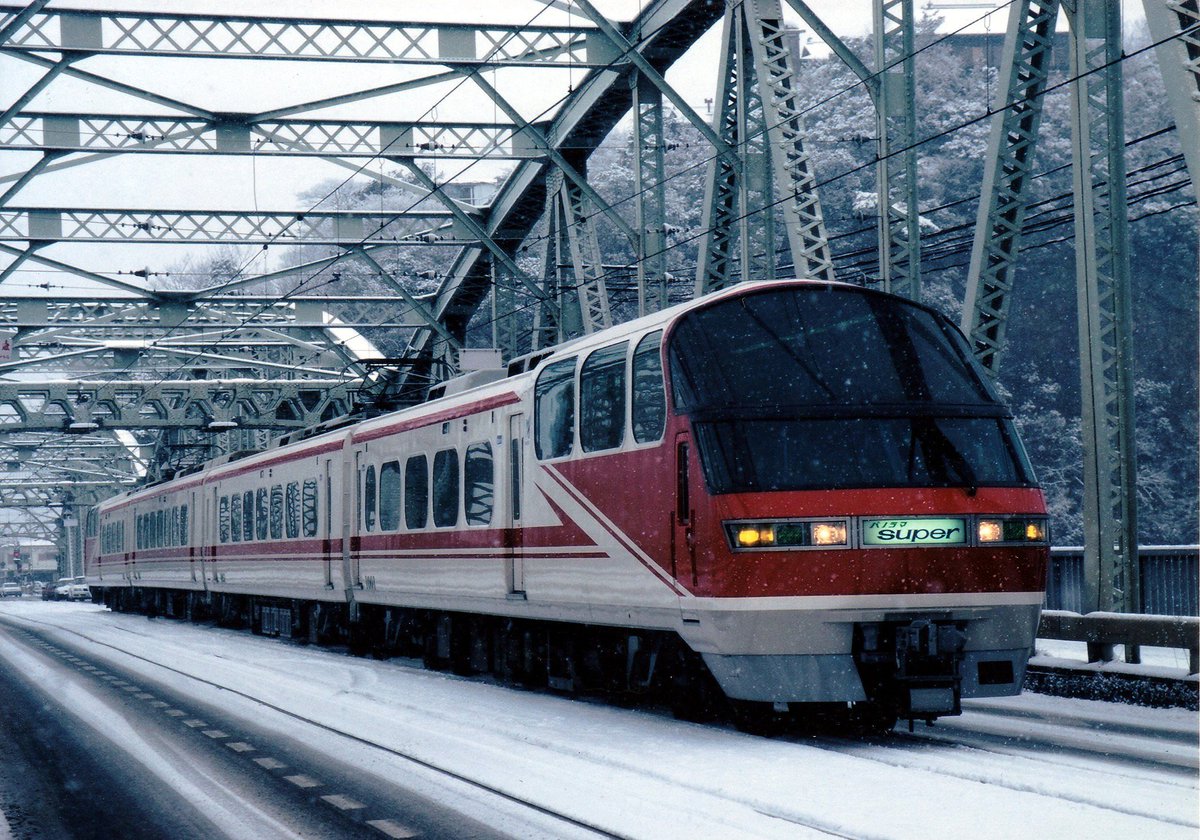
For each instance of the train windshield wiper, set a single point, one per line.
(940, 454)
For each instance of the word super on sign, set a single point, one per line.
(914, 531)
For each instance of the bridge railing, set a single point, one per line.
(1170, 592)
(1103, 631)
(1170, 579)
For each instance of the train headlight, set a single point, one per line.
(990, 530)
(1017, 529)
(828, 533)
(745, 536)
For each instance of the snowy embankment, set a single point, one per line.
(1031, 765)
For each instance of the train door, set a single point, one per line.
(186, 527)
(327, 525)
(213, 525)
(350, 516)
(683, 524)
(516, 482)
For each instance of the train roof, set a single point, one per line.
(471, 393)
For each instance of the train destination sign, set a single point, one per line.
(887, 532)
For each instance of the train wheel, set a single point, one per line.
(691, 690)
(872, 719)
(758, 718)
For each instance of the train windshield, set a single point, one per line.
(824, 387)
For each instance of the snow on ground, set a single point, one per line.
(639, 773)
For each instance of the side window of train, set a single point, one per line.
(389, 496)
(554, 410)
(309, 507)
(248, 515)
(223, 518)
(445, 488)
(174, 535)
(602, 399)
(277, 512)
(478, 484)
(235, 510)
(261, 514)
(649, 394)
(369, 499)
(184, 536)
(292, 509)
(416, 492)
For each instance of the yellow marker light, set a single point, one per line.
(829, 533)
(990, 530)
(747, 537)
(1035, 531)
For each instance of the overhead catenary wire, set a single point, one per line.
(990, 112)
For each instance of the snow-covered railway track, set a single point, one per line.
(640, 774)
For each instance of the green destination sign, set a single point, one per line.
(914, 531)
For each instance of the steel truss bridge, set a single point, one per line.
(112, 373)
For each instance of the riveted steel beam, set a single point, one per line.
(247, 134)
(661, 33)
(84, 406)
(103, 316)
(299, 227)
(1175, 27)
(757, 112)
(650, 172)
(1007, 188)
(899, 213)
(1104, 308)
(586, 280)
(304, 39)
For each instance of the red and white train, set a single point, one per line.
(804, 491)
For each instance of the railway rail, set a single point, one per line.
(590, 769)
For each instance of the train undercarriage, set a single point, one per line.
(908, 671)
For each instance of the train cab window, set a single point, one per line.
(93, 524)
(277, 512)
(369, 499)
(445, 488)
(248, 515)
(261, 514)
(416, 492)
(292, 509)
(554, 410)
(602, 399)
(389, 496)
(649, 395)
(478, 484)
(223, 519)
(308, 508)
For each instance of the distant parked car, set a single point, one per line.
(78, 590)
(10, 587)
(62, 589)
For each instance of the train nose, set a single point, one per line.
(912, 665)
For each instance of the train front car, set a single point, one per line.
(857, 520)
